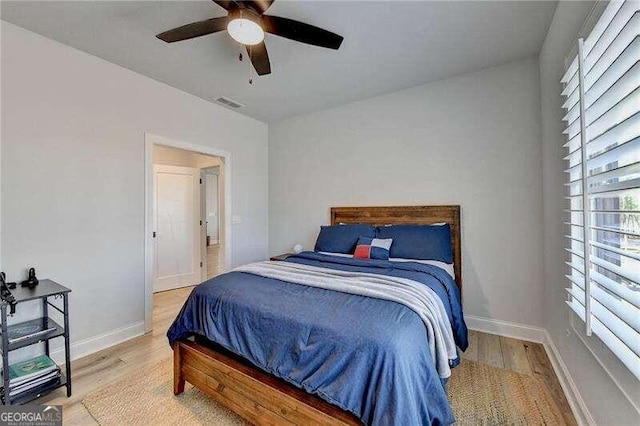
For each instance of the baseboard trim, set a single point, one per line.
(101, 341)
(506, 328)
(577, 404)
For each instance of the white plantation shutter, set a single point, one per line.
(602, 103)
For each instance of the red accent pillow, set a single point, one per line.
(362, 252)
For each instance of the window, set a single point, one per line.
(602, 103)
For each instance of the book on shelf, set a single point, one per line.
(40, 382)
(27, 374)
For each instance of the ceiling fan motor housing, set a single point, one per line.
(246, 13)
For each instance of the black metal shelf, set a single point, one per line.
(28, 333)
(39, 330)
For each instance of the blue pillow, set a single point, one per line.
(342, 238)
(425, 242)
(372, 248)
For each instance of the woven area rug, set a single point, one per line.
(479, 394)
(484, 395)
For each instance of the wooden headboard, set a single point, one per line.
(415, 215)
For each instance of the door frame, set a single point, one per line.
(150, 140)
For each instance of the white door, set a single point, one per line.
(176, 217)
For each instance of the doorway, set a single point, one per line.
(187, 221)
(213, 204)
(176, 224)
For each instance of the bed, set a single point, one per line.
(310, 341)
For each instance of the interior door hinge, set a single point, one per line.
(200, 181)
(154, 234)
(200, 223)
(201, 264)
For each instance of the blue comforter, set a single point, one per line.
(368, 356)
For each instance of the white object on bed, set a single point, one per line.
(414, 295)
(329, 253)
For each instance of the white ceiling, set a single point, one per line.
(389, 45)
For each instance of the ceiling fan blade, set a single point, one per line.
(259, 58)
(195, 29)
(260, 5)
(299, 31)
(225, 4)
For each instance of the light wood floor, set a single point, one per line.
(94, 371)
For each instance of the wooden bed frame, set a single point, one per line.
(264, 399)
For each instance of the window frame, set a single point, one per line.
(581, 262)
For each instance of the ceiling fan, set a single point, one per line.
(247, 23)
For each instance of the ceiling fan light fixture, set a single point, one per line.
(244, 27)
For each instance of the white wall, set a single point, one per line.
(73, 174)
(472, 140)
(607, 403)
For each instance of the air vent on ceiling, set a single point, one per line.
(229, 102)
